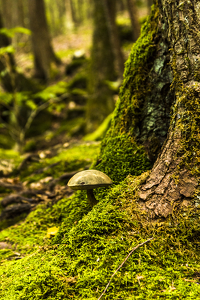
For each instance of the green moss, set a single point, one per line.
(9, 154)
(92, 244)
(134, 88)
(121, 156)
(6, 254)
(186, 118)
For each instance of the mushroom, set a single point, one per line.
(88, 180)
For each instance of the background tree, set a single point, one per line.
(41, 42)
(149, 4)
(100, 102)
(110, 13)
(132, 9)
(7, 62)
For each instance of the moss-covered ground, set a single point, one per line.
(78, 261)
(69, 250)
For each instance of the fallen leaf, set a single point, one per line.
(52, 231)
(4, 245)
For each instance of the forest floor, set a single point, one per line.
(64, 249)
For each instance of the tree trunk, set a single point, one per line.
(80, 11)
(7, 64)
(7, 13)
(69, 17)
(159, 108)
(100, 102)
(132, 9)
(173, 180)
(41, 43)
(21, 15)
(121, 5)
(74, 13)
(110, 11)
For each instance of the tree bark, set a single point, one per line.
(174, 177)
(110, 11)
(41, 42)
(132, 9)
(159, 106)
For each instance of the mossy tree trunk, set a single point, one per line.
(100, 103)
(174, 177)
(41, 42)
(159, 107)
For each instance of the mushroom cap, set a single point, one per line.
(89, 179)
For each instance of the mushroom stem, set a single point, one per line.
(91, 198)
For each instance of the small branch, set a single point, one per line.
(17, 187)
(123, 264)
(42, 107)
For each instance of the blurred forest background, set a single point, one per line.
(61, 65)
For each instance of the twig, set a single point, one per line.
(123, 263)
(40, 108)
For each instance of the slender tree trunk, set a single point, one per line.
(132, 9)
(41, 42)
(21, 17)
(110, 10)
(7, 63)
(121, 5)
(69, 17)
(7, 13)
(100, 103)
(80, 10)
(74, 13)
(89, 9)
(61, 8)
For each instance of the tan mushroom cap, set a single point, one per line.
(89, 179)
